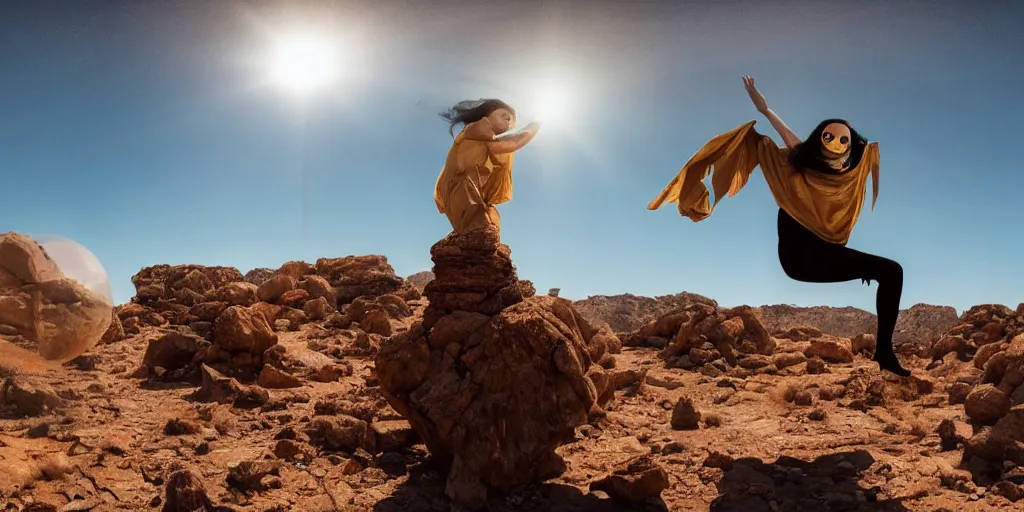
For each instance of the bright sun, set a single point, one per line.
(303, 63)
(551, 103)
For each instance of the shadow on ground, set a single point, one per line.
(829, 483)
(424, 492)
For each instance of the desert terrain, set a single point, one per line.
(338, 385)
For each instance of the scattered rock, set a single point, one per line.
(685, 415)
(634, 482)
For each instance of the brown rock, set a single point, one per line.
(830, 350)
(269, 312)
(951, 344)
(297, 270)
(953, 433)
(787, 359)
(209, 311)
(238, 293)
(258, 276)
(272, 378)
(341, 433)
(520, 389)
(187, 283)
(377, 322)
(363, 276)
(958, 392)
(295, 317)
(393, 435)
(184, 492)
(240, 329)
(473, 272)
(800, 333)
(1008, 490)
(272, 289)
(864, 344)
(288, 449)
(251, 475)
(986, 352)
(730, 332)
(169, 352)
(685, 415)
(220, 389)
(59, 317)
(319, 288)
(986, 404)
(634, 482)
(327, 373)
(115, 332)
(294, 298)
(26, 398)
(317, 309)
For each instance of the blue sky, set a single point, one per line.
(143, 130)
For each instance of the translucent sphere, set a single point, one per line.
(55, 300)
(78, 263)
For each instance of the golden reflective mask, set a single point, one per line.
(836, 138)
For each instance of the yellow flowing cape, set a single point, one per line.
(826, 204)
(473, 179)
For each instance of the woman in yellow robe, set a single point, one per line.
(819, 184)
(477, 173)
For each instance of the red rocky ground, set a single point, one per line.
(327, 386)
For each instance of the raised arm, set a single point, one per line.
(788, 137)
(516, 141)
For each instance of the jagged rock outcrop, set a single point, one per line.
(43, 310)
(494, 380)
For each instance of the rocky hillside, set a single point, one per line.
(916, 328)
(628, 312)
(420, 279)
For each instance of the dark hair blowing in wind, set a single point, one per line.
(807, 154)
(471, 111)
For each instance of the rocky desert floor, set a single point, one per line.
(116, 442)
(808, 424)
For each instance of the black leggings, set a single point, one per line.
(806, 257)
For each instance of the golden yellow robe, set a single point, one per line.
(474, 179)
(826, 204)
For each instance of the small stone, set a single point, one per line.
(685, 415)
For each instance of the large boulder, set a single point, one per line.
(41, 308)
(495, 382)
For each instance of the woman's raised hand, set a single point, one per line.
(760, 103)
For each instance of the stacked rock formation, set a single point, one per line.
(494, 379)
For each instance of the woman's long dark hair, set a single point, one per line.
(471, 111)
(808, 154)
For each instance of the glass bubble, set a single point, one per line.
(78, 263)
(55, 298)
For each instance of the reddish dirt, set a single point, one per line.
(108, 449)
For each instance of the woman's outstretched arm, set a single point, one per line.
(516, 141)
(761, 104)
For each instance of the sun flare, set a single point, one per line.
(303, 62)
